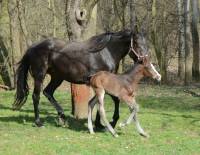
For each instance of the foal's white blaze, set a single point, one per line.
(156, 76)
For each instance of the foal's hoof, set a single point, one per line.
(144, 135)
(92, 132)
(116, 135)
(38, 123)
(121, 125)
(113, 124)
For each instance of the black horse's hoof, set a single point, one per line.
(38, 123)
(113, 124)
(60, 121)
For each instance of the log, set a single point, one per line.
(80, 98)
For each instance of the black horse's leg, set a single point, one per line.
(97, 122)
(49, 91)
(116, 111)
(36, 99)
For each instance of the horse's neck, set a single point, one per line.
(118, 50)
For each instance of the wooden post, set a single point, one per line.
(80, 97)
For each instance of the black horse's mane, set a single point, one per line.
(98, 42)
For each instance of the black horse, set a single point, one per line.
(74, 62)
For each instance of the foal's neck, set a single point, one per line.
(135, 74)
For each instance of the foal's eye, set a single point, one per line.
(154, 64)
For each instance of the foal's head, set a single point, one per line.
(148, 69)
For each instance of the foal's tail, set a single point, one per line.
(22, 85)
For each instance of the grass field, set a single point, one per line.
(170, 116)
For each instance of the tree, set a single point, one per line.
(6, 68)
(158, 41)
(132, 14)
(6, 71)
(22, 23)
(188, 52)
(53, 9)
(181, 48)
(195, 40)
(14, 32)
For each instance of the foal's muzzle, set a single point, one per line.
(158, 77)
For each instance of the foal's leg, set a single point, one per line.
(134, 108)
(115, 115)
(129, 120)
(49, 91)
(101, 94)
(136, 121)
(91, 105)
(36, 99)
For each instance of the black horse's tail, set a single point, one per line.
(22, 85)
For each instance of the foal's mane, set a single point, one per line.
(98, 42)
(132, 68)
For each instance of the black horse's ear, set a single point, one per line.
(144, 33)
(136, 28)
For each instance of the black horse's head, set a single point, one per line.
(138, 46)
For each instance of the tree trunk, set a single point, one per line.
(156, 41)
(5, 67)
(188, 52)
(132, 14)
(104, 16)
(22, 23)
(14, 34)
(120, 10)
(53, 9)
(76, 23)
(181, 50)
(195, 41)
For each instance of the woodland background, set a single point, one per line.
(172, 26)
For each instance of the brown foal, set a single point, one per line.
(124, 87)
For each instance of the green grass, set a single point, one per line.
(171, 117)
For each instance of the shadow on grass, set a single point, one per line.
(172, 115)
(72, 123)
(170, 103)
(42, 111)
(24, 119)
(76, 124)
(81, 125)
(194, 120)
(50, 119)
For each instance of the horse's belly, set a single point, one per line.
(72, 73)
(77, 70)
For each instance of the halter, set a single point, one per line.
(140, 57)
